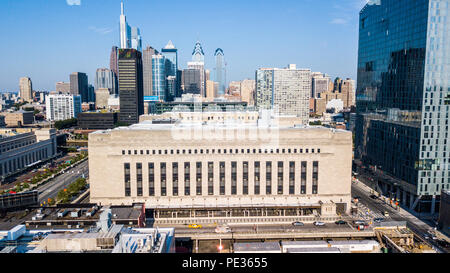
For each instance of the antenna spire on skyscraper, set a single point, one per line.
(122, 8)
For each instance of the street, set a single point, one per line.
(376, 205)
(51, 189)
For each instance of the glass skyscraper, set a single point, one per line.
(159, 76)
(403, 98)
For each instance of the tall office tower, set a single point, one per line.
(171, 85)
(320, 84)
(210, 90)
(248, 91)
(159, 77)
(62, 107)
(200, 66)
(191, 83)
(105, 78)
(63, 87)
(286, 91)
(125, 30)
(207, 75)
(113, 61)
(171, 54)
(198, 55)
(79, 85)
(91, 93)
(220, 71)
(403, 98)
(147, 64)
(26, 89)
(130, 86)
(136, 39)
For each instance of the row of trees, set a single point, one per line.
(64, 124)
(66, 195)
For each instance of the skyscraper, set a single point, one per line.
(171, 54)
(403, 98)
(113, 62)
(26, 89)
(191, 81)
(62, 107)
(198, 55)
(136, 39)
(63, 87)
(130, 86)
(105, 78)
(159, 77)
(286, 91)
(220, 71)
(147, 61)
(79, 85)
(125, 31)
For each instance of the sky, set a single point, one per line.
(47, 40)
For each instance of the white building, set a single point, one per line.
(287, 90)
(62, 107)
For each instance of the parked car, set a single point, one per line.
(373, 196)
(298, 224)
(378, 220)
(386, 214)
(359, 222)
(340, 222)
(319, 224)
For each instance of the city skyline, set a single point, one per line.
(90, 39)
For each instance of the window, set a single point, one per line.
(315, 179)
(210, 178)
(245, 178)
(257, 177)
(268, 177)
(233, 178)
(151, 179)
(175, 179)
(127, 179)
(187, 178)
(292, 177)
(139, 179)
(163, 179)
(222, 178)
(199, 178)
(280, 178)
(303, 177)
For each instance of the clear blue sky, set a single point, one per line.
(48, 39)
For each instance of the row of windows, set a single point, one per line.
(198, 175)
(221, 151)
(12, 165)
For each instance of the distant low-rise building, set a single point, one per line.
(97, 121)
(18, 119)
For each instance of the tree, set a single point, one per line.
(63, 124)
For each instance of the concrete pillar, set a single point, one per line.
(433, 205)
(404, 198)
(411, 201)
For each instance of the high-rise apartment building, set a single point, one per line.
(105, 78)
(130, 86)
(147, 67)
(286, 91)
(403, 98)
(79, 85)
(62, 107)
(320, 84)
(220, 71)
(26, 89)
